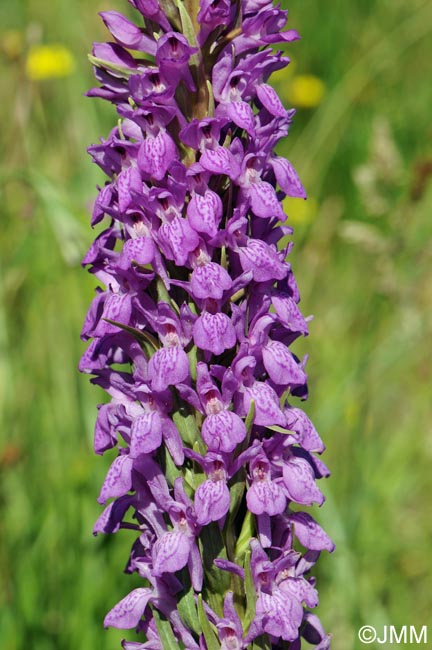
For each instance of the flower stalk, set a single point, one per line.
(191, 331)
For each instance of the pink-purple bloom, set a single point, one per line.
(191, 328)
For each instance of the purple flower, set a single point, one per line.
(172, 56)
(299, 481)
(167, 367)
(223, 431)
(118, 481)
(261, 194)
(209, 279)
(264, 494)
(176, 548)
(127, 613)
(156, 154)
(212, 498)
(263, 260)
(204, 212)
(214, 332)
(229, 627)
(192, 332)
(126, 33)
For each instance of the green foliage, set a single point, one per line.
(187, 606)
(209, 634)
(165, 631)
(362, 259)
(218, 582)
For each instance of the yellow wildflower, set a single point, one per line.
(306, 91)
(11, 44)
(300, 211)
(49, 62)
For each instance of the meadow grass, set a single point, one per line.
(363, 262)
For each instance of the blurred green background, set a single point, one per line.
(361, 142)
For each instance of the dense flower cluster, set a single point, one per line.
(191, 332)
